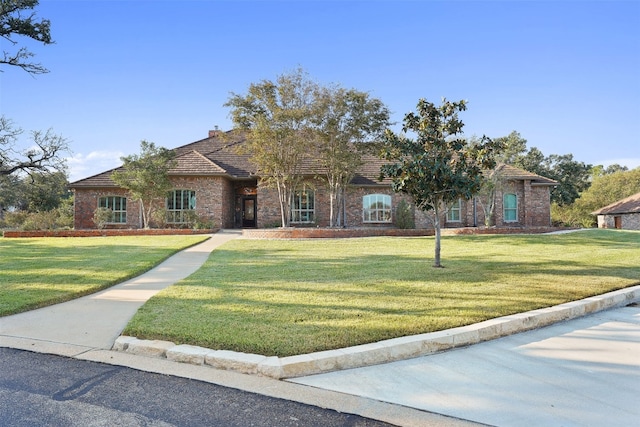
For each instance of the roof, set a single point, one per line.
(512, 172)
(627, 205)
(218, 155)
(212, 156)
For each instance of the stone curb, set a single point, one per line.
(380, 352)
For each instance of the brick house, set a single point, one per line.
(623, 214)
(221, 185)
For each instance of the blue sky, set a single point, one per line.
(565, 74)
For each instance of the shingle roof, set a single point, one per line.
(512, 172)
(218, 155)
(627, 205)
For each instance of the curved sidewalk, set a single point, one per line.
(96, 320)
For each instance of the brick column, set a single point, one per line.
(528, 204)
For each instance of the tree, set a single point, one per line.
(600, 170)
(44, 155)
(44, 191)
(604, 190)
(17, 19)
(438, 167)
(276, 117)
(573, 177)
(146, 176)
(515, 147)
(345, 120)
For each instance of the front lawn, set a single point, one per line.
(37, 272)
(285, 297)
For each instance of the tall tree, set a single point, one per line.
(146, 176)
(44, 191)
(438, 167)
(276, 117)
(573, 177)
(45, 153)
(515, 147)
(344, 120)
(17, 19)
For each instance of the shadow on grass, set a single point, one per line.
(261, 297)
(34, 274)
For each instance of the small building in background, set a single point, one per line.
(623, 214)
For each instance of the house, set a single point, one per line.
(623, 214)
(221, 185)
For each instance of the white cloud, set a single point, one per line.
(83, 166)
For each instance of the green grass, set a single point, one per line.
(291, 297)
(37, 272)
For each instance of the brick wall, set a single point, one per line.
(214, 201)
(86, 203)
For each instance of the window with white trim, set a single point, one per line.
(510, 207)
(179, 204)
(376, 208)
(303, 207)
(118, 207)
(454, 212)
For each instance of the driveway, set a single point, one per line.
(583, 372)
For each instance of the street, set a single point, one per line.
(46, 390)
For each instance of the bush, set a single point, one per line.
(101, 217)
(404, 216)
(197, 222)
(15, 219)
(159, 218)
(46, 220)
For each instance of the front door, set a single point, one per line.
(248, 212)
(617, 222)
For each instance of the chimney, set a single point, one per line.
(215, 132)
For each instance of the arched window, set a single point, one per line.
(510, 207)
(179, 203)
(118, 207)
(454, 211)
(303, 206)
(376, 208)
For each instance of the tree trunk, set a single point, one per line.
(436, 224)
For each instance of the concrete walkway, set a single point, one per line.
(96, 320)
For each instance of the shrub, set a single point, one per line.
(46, 220)
(404, 215)
(159, 218)
(102, 216)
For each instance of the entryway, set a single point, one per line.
(249, 210)
(246, 205)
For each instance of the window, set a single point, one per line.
(510, 208)
(179, 204)
(118, 206)
(303, 207)
(453, 214)
(376, 208)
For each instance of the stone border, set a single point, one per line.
(380, 352)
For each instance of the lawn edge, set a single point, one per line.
(385, 351)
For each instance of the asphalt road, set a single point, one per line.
(46, 390)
